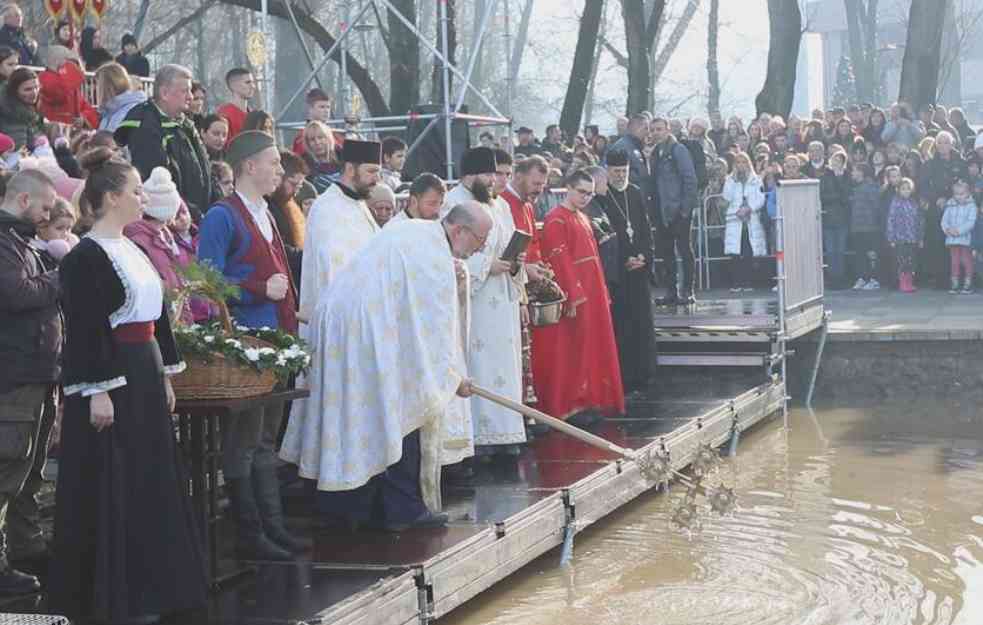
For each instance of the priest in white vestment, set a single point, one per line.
(387, 364)
(495, 348)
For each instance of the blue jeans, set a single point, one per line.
(834, 250)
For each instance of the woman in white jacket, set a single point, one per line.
(744, 237)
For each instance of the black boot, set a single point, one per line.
(252, 542)
(13, 582)
(267, 488)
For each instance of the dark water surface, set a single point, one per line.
(857, 516)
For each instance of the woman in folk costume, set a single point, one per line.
(125, 547)
(575, 361)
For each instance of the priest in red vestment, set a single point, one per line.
(575, 362)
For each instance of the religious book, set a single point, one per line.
(517, 245)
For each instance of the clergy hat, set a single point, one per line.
(247, 144)
(358, 152)
(478, 161)
(618, 158)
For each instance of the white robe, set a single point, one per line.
(457, 428)
(388, 362)
(495, 355)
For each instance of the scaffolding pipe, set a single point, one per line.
(303, 44)
(447, 87)
(475, 52)
(346, 26)
(419, 139)
(508, 64)
(322, 63)
(267, 79)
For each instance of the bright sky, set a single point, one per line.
(743, 50)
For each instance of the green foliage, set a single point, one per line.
(286, 355)
(845, 89)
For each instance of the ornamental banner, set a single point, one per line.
(77, 9)
(98, 7)
(55, 8)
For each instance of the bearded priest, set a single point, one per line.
(388, 363)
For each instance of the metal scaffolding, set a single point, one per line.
(452, 103)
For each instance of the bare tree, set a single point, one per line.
(640, 33)
(667, 50)
(861, 19)
(923, 51)
(521, 39)
(713, 68)
(580, 73)
(961, 32)
(437, 86)
(599, 49)
(404, 55)
(784, 39)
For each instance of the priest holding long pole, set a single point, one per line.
(387, 365)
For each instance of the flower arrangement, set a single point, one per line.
(230, 359)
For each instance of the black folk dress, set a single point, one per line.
(125, 541)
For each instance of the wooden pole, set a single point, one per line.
(556, 424)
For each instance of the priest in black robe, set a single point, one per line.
(631, 297)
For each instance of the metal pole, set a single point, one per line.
(416, 142)
(447, 88)
(303, 44)
(475, 51)
(267, 79)
(322, 63)
(781, 277)
(426, 44)
(343, 83)
(508, 64)
(824, 332)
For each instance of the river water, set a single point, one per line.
(852, 517)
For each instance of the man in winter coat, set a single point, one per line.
(675, 198)
(132, 58)
(158, 133)
(30, 348)
(12, 35)
(632, 143)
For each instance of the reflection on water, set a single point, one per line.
(858, 516)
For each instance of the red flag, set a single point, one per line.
(98, 7)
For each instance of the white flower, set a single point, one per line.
(252, 354)
(242, 328)
(233, 343)
(209, 339)
(266, 351)
(281, 361)
(265, 329)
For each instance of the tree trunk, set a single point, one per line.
(521, 39)
(583, 60)
(371, 93)
(589, 104)
(665, 54)
(141, 18)
(862, 32)
(437, 94)
(784, 38)
(404, 59)
(923, 51)
(713, 68)
(640, 35)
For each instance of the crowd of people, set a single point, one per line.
(411, 293)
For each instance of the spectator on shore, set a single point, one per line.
(214, 131)
(833, 192)
(957, 119)
(676, 193)
(132, 57)
(904, 234)
(393, 159)
(318, 110)
(242, 86)
(926, 148)
(93, 54)
(866, 227)
(842, 135)
(65, 35)
(527, 143)
(873, 132)
(321, 157)
(553, 143)
(116, 96)
(12, 35)
(9, 61)
(223, 182)
(902, 128)
(287, 213)
(744, 237)
(60, 99)
(261, 121)
(159, 134)
(19, 115)
(199, 102)
(817, 160)
(792, 166)
(958, 221)
(632, 143)
(939, 174)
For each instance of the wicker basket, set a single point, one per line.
(220, 378)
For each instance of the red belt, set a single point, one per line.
(140, 332)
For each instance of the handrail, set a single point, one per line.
(89, 86)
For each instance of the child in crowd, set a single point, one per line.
(865, 226)
(958, 221)
(904, 232)
(55, 234)
(773, 174)
(186, 238)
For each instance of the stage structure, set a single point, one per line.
(448, 112)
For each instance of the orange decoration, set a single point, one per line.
(77, 9)
(98, 7)
(55, 8)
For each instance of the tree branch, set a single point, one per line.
(619, 57)
(181, 23)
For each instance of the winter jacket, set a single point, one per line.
(833, 194)
(115, 110)
(156, 140)
(135, 64)
(865, 208)
(938, 174)
(675, 181)
(736, 193)
(905, 223)
(61, 98)
(30, 315)
(157, 242)
(201, 309)
(638, 166)
(771, 202)
(20, 122)
(960, 216)
(906, 135)
(16, 38)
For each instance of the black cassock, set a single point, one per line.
(631, 297)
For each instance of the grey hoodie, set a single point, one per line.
(114, 111)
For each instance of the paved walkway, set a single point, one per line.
(889, 315)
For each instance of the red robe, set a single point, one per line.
(525, 219)
(575, 362)
(236, 118)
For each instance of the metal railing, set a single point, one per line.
(89, 86)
